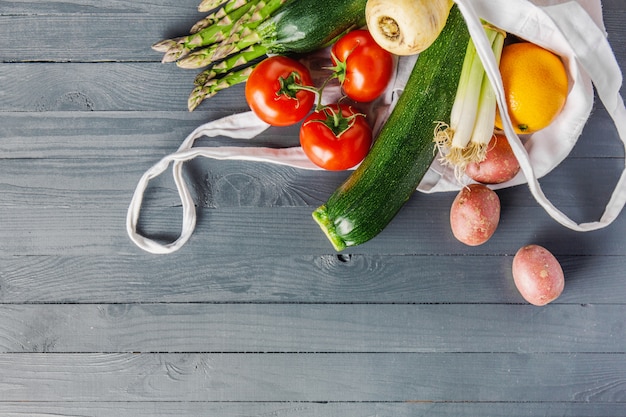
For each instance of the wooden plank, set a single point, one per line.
(105, 86)
(613, 15)
(89, 7)
(149, 135)
(322, 278)
(111, 180)
(193, 276)
(89, 37)
(163, 122)
(307, 409)
(411, 377)
(599, 136)
(76, 230)
(367, 328)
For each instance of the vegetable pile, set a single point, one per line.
(447, 108)
(335, 137)
(403, 151)
(236, 33)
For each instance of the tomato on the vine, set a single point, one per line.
(363, 68)
(336, 137)
(274, 91)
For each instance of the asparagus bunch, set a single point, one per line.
(224, 41)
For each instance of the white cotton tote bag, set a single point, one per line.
(574, 30)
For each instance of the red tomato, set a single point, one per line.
(273, 91)
(336, 140)
(362, 66)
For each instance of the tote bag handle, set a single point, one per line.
(593, 53)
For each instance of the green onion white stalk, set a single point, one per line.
(465, 138)
(483, 129)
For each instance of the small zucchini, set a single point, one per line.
(374, 193)
(307, 25)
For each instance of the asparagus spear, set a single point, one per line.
(182, 46)
(199, 58)
(164, 45)
(258, 32)
(229, 6)
(244, 57)
(214, 85)
(244, 26)
(232, 71)
(208, 5)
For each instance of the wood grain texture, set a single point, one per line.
(80, 33)
(119, 135)
(310, 328)
(105, 86)
(309, 409)
(395, 377)
(326, 278)
(163, 8)
(257, 315)
(76, 230)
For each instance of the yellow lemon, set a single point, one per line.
(535, 85)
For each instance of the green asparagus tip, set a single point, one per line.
(195, 98)
(201, 24)
(215, 85)
(174, 53)
(208, 5)
(164, 45)
(203, 77)
(192, 62)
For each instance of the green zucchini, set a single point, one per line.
(307, 25)
(374, 193)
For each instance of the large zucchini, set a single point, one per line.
(374, 193)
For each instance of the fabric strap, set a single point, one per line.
(227, 126)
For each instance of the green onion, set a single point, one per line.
(465, 139)
(483, 128)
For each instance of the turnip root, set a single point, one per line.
(475, 214)
(406, 27)
(538, 275)
(500, 164)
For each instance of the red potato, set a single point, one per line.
(499, 165)
(538, 275)
(475, 214)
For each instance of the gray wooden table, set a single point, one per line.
(257, 315)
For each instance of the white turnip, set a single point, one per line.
(406, 27)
